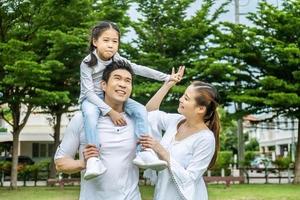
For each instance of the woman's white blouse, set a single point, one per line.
(189, 159)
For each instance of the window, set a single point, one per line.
(42, 150)
(271, 148)
(35, 150)
(50, 150)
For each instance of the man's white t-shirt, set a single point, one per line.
(118, 149)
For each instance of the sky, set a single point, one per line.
(246, 6)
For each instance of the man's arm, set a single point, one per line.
(68, 165)
(65, 153)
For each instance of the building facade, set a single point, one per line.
(278, 136)
(36, 139)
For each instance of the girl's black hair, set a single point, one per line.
(96, 33)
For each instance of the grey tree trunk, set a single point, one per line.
(240, 139)
(17, 125)
(297, 161)
(57, 125)
(14, 167)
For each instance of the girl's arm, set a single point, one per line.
(155, 101)
(144, 71)
(87, 89)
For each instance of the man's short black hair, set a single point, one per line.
(114, 65)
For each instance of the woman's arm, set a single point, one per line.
(155, 101)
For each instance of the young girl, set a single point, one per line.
(189, 144)
(104, 44)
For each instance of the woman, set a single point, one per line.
(190, 143)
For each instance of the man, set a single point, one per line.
(118, 144)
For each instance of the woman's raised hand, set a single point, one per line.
(176, 77)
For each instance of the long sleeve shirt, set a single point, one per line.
(189, 159)
(90, 78)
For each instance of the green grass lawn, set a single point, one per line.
(216, 192)
(254, 192)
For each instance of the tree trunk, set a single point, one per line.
(14, 166)
(17, 128)
(56, 143)
(240, 138)
(297, 162)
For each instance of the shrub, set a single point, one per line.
(283, 162)
(249, 157)
(2, 129)
(252, 145)
(224, 160)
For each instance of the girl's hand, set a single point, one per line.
(90, 151)
(176, 77)
(117, 118)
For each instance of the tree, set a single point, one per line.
(69, 44)
(168, 38)
(57, 33)
(25, 75)
(276, 46)
(63, 41)
(265, 59)
(228, 138)
(22, 80)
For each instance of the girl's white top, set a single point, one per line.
(189, 159)
(90, 78)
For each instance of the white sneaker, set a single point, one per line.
(94, 168)
(148, 159)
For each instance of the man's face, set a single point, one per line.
(119, 86)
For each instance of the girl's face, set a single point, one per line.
(188, 105)
(107, 44)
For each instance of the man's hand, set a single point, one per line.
(117, 118)
(90, 151)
